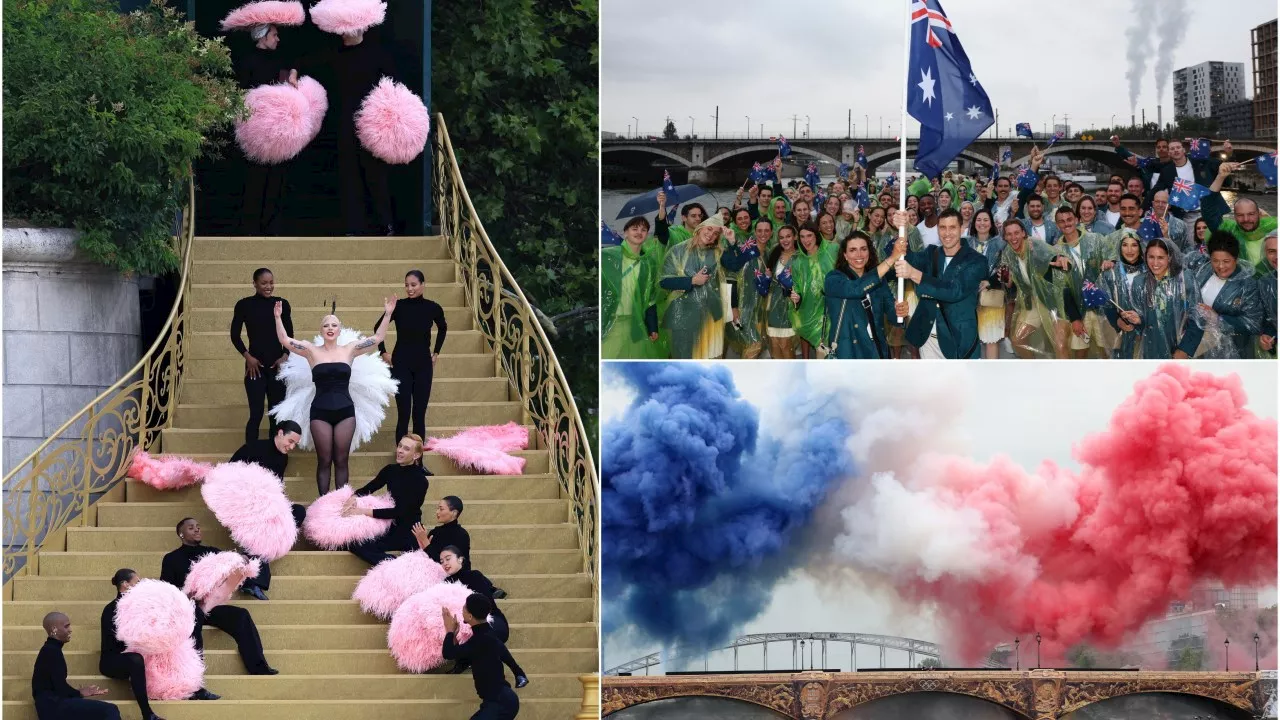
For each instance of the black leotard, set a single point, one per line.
(332, 403)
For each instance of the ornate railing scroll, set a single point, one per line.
(55, 485)
(508, 322)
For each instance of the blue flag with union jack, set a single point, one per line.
(784, 147)
(1027, 179)
(1186, 195)
(842, 172)
(943, 94)
(862, 198)
(669, 188)
(609, 236)
(1267, 166)
(1023, 130)
(1056, 137)
(1198, 148)
(811, 175)
(862, 157)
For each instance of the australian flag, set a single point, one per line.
(1027, 179)
(1186, 195)
(784, 147)
(843, 171)
(891, 180)
(811, 175)
(943, 94)
(862, 157)
(757, 173)
(609, 236)
(862, 198)
(1149, 230)
(1198, 149)
(669, 188)
(1267, 166)
(1024, 130)
(1056, 137)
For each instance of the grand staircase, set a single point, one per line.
(333, 659)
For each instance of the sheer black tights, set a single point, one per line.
(333, 448)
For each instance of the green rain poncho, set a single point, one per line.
(749, 334)
(693, 312)
(1038, 297)
(778, 301)
(809, 273)
(628, 288)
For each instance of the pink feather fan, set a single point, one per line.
(214, 578)
(264, 12)
(348, 17)
(166, 472)
(327, 529)
(389, 583)
(416, 635)
(249, 501)
(485, 448)
(393, 123)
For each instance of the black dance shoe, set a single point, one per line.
(521, 681)
(255, 591)
(267, 671)
(391, 230)
(499, 593)
(154, 716)
(203, 694)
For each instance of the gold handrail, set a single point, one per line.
(44, 493)
(508, 322)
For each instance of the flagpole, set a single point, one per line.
(902, 152)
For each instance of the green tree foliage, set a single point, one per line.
(669, 132)
(1189, 658)
(517, 81)
(104, 113)
(930, 663)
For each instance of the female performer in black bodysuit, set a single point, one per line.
(333, 413)
(414, 358)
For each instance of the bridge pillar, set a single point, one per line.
(1046, 693)
(848, 154)
(698, 158)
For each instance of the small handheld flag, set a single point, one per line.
(609, 236)
(811, 175)
(669, 188)
(843, 171)
(1006, 155)
(863, 199)
(1267, 166)
(1198, 148)
(1024, 130)
(861, 157)
(1094, 296)
(1056, 137)
(762, 283)
(1027, 179)
(785, 279)
(784, 147)
(892, 179)
(1186, 195)
(1149, 230)
(756, 174)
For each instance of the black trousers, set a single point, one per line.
(375, 551)
(236, 622)
(268, 389)
(128, 666)
(504, 707)
(264, 187)
(412, 396)
(360, 172)
(49, 707)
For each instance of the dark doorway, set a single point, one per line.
(311, 206)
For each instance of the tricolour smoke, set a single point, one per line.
(1139, 47)
(1180, 487)
(703, 512)
(1171, 28)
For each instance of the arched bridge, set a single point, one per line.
(817, 644)
(703, 158)
(1026, 695)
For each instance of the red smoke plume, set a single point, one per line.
(1180, 487)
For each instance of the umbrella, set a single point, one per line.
(648, 202)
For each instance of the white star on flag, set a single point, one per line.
(926, 86)
(974, 113)
(949, 116)
(973, 80)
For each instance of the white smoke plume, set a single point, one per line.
(1171, 29)
(1139, 49)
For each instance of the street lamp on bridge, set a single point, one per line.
(806, 126)
(692, 132)
(637, 125)
(748, 127)
(1226, 655)
(867, 118)
(1017, 657)
(1037, 650)
(1255, 652)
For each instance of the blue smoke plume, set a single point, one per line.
(702, 515)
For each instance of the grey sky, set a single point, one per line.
(1054, 410)
(829, 57)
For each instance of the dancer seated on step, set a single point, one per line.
(272, 454)
(451, 560)
(234, 621)
(448, 532)
(406, 481)
(54, 698)
(115, 663)
(486, 654)
(333, 412)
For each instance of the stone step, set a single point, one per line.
(348, 709)
(319, 637)
(562, 536)
(316, 612)
(452, 414)
(316, 587)
(305, 662)
(306, 563)
(303, 489)
(217, 344)
(387, 686)
(231, 369)
(218, 319)
(269, 250)
(476, 512)
(231, 392)
(345, 270)
(319, 295)
(366, 463)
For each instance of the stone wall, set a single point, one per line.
(71, 329)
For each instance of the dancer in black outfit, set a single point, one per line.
(447, 532)
(413, 361)
(114, 662)
(54, 698)
(235, 621)
(406, 481)
(264, 355)
(486, 654)
(273, 455)
(264, 186)
(333, 413)
(475, 581)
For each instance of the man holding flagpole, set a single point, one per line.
(944, 95)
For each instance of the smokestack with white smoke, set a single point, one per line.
(1139, 47)
(1171, 29)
